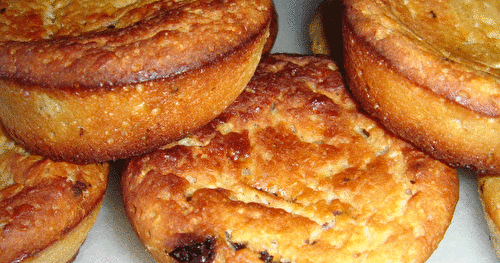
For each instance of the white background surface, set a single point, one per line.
(467, 240)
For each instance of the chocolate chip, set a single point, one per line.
(365, 133)
(264, 256)
(238, 246)
(2, 10)
(79, 187)
(195, 252)
(308, 241)
(234, 245)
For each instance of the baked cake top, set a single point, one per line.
(105, 43)
(41, 199)
(460, 29)
(449, 47)
(292, 171)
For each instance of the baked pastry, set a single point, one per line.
(429, 71)
(292, 171)
(489, 189)
(92, 81)
(46, 208)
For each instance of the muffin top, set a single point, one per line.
(105, 43)
(449, 47)
(41, 200)
(292, 171)
(461, 30)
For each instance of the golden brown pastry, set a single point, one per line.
(429, 71)
(489, 192)
(91, 81)
(292, 171)
(46, 208)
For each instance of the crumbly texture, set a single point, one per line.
(489, 192)
(103, 80)
(292, 171)
(401, 68)
(42, 201)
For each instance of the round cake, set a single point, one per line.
(92, 81)
(489, 189)
(292, 171)
(47, 208)
(430, 72)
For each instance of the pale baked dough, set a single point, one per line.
(92, 81)
(290, 172)
(46, 207)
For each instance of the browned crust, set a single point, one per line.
(98, 124)
(179, 36)
(101, 125)
(489, 192)
(42, 200)
(292, 171)
(455, 78)
(445, 129)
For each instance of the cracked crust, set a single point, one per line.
(71, 67)
(290, 172)
(46, 207)
(438, 91)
